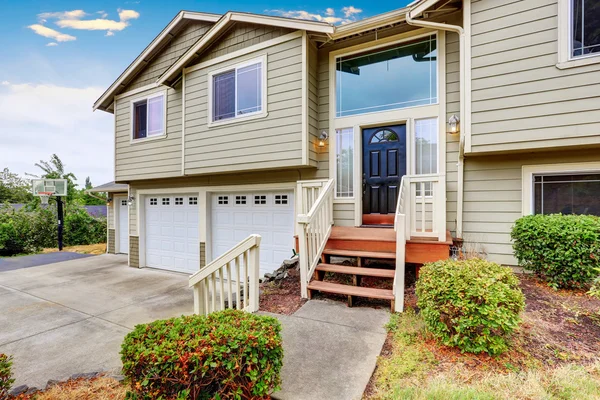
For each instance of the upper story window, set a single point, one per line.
(238, 91)
(397, 76)
(148, 116)
(585, 27)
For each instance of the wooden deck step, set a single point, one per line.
(362, 271)
(385, 294)
(362, 254)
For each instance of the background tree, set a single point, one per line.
(55, 169)
(13, 188)
(87, 200)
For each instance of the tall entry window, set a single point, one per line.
(344, 142)
(566, 194)
(585, 27)
(426, 151)
(398, 76)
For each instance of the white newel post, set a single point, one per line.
(303, 260)
(254, 276)
(400, 263)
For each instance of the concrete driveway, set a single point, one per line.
(70, 317)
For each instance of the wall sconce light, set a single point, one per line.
(323, 138)
(130, 200)
(453, 124)
(109, 201)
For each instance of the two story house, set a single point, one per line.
(445, 120)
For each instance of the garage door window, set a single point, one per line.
(240, 200)
(166, 201)
(192, 201)
(281, 199)
(567, 194)
(223, 200)
(153, 201)
(260, 199)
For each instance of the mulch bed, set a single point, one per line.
(282, 297)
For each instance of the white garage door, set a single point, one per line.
(172, 232)
(235, 216)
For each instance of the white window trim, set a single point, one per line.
(132, 102)
(565, 58)
(366, 47)
(529, 170)
(342, 199)
(246, 117)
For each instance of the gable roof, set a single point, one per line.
(104, 102)
(223, 22)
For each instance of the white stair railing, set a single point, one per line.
(314, 229)
(230, 281)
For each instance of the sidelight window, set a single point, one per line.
(344, 147)
(426, 151)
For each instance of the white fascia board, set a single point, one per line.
(421, 7)
(312, 26)
(198, 16)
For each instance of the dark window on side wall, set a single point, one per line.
(567, 194)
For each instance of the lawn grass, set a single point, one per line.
(413, 366)
(99, 248)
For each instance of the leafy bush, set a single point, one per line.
(6, 380)
(29, 230)
(227, 354)
(471, 304)
(563, 249)
(595, 289)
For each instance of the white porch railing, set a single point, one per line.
(314, 226)
(423, 201)
(230, 280)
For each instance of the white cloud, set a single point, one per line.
(350, 15)
(75, 14)
(109, 33)
(125, 15)
(93, 24)
(351, 11)
(5, 83)
(51, 44)
(41, 119)
(51, 33)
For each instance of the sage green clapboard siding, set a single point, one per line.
(158, 158)
(187, 36)
(520, 99)
(133, 221)
(313, 105)
(240, 36)
(492, 197)
(271, 142)
(452, 107)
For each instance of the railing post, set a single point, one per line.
(408, 203)
(198, 309)
(254, 275)
(440, 200)
(400, 264)
(303, 260)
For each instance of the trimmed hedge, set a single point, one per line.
(6, 380)
(471, 304)
(229, 354)
(563, 249)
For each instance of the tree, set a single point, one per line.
(13, 188)
(86, 200)
(55, 169)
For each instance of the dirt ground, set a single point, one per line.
(99, 248)
(282, 297)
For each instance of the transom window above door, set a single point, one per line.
(397, 76)
(148, 116)
(383, 136)
(584, 28)
(237, 92)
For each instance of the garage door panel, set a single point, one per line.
(235, 216)
(172, 232)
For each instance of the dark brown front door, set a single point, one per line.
(384, 165)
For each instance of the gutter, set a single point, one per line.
(461, 146)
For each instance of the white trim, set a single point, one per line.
(304, 92)
(565, 53)
(136, 91)
(183, 114)
(147, 98)
(466, 124)
(244, 51)
(529, 170)
(291, 23)
(262, 113)
(157, 42)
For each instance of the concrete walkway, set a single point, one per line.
(34, 260)
(330, 350)
(71, 317)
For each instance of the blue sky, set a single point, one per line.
(57, 57)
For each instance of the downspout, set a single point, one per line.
(461, 145)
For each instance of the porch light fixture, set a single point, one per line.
(109, 201)
(323, 138)
(453, 124)
(130, 200)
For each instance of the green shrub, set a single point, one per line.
(228, 354)
(563, 249)
(471, 304)
(6, 380)
(82, 228)
(595, 289)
